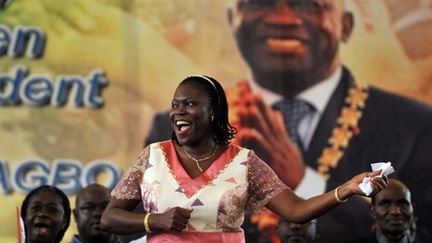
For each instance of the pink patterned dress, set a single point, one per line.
(236, 180)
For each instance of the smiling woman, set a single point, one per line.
(200, 121)
(197, 186)
(46, 215)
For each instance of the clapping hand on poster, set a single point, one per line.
(263, 130)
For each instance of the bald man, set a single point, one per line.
(91, 201)
(393, 215)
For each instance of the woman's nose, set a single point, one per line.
(180, 109)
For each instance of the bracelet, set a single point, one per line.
(336, 194)
(146, 223)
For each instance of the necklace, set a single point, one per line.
(197, 161)
(346, 129)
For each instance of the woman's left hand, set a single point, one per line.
(351, 187)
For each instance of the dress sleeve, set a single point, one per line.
(263, 183)
(129, 185)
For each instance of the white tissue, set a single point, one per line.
(386, 168)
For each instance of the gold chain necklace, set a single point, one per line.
(346, 128)
(197, 161)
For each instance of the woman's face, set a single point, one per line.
(190, 115)
(45, 217)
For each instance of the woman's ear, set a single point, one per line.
(65, 224)
(212, 114)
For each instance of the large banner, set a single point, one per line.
(80, 81)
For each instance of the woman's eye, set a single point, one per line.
(173, 105)
(190, 103)
(53, 209)
(35, 208)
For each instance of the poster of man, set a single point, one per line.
(81, 81)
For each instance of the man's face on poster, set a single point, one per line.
(295, 36)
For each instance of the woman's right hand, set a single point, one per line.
(175, 219)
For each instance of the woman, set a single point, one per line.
(46, 214)
(196, 186)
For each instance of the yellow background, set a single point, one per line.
(146, 47)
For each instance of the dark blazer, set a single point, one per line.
(372, 238)
(160, 129)
(367, 239)
(392, 128)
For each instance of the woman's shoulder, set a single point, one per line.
(238, 147)
(159, 143)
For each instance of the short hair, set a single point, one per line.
(93, 185)
(222, 130)
(391, 181)
(65, 204)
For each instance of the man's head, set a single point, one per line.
(290, 39)
(290, 232)
(392, 210)
(91, 201)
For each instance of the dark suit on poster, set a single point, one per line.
(392, 128)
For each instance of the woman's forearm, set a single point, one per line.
(295, 209)
(121, 222)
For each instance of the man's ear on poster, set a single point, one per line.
(347, 25)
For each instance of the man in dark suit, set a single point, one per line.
(292, 49)
(393, 215)
(91, 202)
(290, 232)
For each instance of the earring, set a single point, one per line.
(212, 118)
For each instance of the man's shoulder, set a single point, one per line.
(395, 105)
(161, 115)
(160, 128)
(388, 112)
(379, 98)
